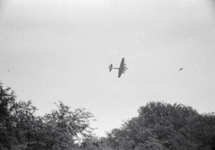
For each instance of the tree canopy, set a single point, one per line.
(21, 129)
(158, 126)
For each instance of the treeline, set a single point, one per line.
(161, 126)
(20, 129)
(158, 126)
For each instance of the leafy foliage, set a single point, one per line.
(162, 126)
(158, 126)
(21, 129)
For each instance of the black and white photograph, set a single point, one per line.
(107, 74)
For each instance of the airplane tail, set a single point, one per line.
(110, 67)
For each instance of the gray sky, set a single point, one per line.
(53, 50)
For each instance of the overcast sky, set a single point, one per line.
(53, 50)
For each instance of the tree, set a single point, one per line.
(161, 126)
(62, 127)
(167, 122)
(21, 129)
(7, 130)
(202, 129)
(16, 120)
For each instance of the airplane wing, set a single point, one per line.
(121, 67)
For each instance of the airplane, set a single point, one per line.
(122, 68)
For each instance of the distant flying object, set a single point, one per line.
(122, 68)
(181, 69)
